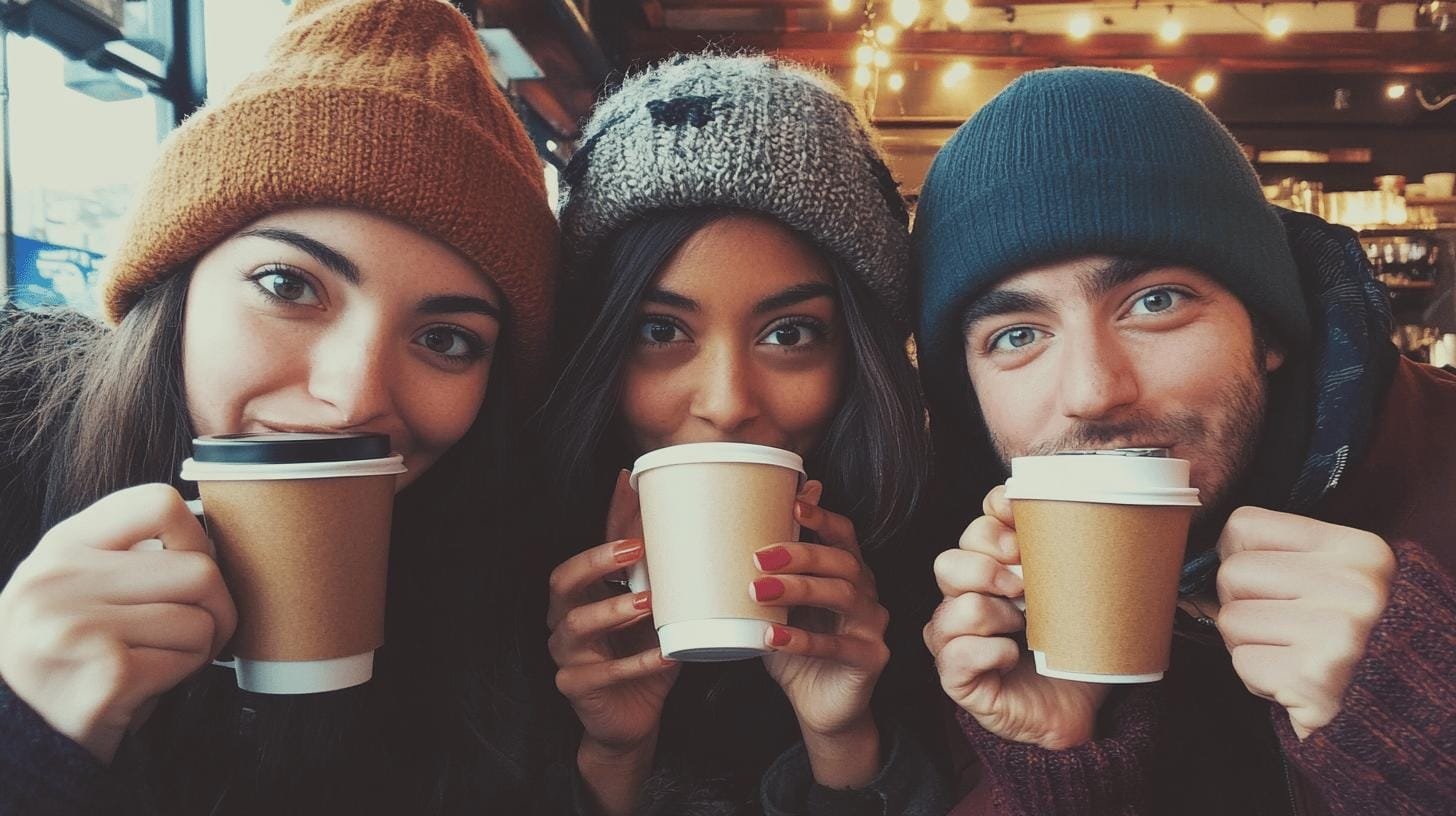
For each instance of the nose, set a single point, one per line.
(724, 392)
(350, 371)
(1098, 377)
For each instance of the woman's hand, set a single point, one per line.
(609, 664)
(94, 628)
(829, 661)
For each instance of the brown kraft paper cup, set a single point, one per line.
(306, 562)
(1101, 583)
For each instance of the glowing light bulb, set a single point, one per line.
(1204, 83)
(864, 55)
(956, 11)
(896, 82)
(1277, 26)
(862, 76)
(1171, 31)
(839, 6)
(1080, 26)
(1395, 90)
(905, 12)
(956, 74)
(882, 58)
(886, 34)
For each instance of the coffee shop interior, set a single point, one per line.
(1346, 109)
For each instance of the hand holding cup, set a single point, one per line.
(93, 627)
(972, 637)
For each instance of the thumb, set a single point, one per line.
(811, 492)
(997, 506)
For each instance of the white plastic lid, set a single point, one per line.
(1102, 479)
(194, 471)
(704, 452)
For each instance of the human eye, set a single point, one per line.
(452, 343)
(1156, 301)
(659, 331)
(281, 284)
(1013, 339)
(795, 333)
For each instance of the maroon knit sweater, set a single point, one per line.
(1200, 743)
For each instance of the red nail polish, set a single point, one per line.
(767, 589)
(773, 558)
(779, 637)
(642, 602)
(626, 551)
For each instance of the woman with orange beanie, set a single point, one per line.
(356, 239)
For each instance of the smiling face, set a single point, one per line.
(332, 319)
(1100, 352)
(739, 339)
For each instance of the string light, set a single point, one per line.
(905, 12)
(886, 34)
(1277, 26)
(896, 82)
(864, 55)
(1080, 26)
(956, 74)
(1205, 83)
(1171, 31)
(882, 58)
(1395, 90)
(862, 76)
(839, 6)
(956, 11)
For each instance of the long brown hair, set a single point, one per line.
(441, 725)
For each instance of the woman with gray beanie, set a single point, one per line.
(740, 273)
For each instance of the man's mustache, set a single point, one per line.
(1136, 431)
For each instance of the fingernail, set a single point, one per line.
(1006, 542)
(626, 551)
(642, 602)
(767, 589)
(778, 636)
(772, 558)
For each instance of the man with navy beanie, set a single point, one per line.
(1099, 269)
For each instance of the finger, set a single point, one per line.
(624, 514)
(958, 572)
(830, 527)
(1254, 528)
(834, 594)
(1264, 623)
(156, 671)
(572, 578)
(120, 520)
(1274, 575)
(989, 535)
(1264, 669)
(570, 642)
(576, 681)
(964, 662)
(997, 506)
(812, 492)
(861, 653)
(178, 627)
(809, 559)
(971, 614)
(172, 577)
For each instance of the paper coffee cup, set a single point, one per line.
(1102, 537)
(706, 508)
(301, 523)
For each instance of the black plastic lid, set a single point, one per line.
(289, 448)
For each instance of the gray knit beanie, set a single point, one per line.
(749, 133)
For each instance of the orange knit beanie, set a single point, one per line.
(384, 105)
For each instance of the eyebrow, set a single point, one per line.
(1002, 302)
(793, 295)
(455, 304)
(664, 297)
(1098, 281)
(319, 251)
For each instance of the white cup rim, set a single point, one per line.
(698, 453)
(195, 471)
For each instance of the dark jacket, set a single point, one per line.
(1381, 457)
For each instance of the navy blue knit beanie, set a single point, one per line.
(1079, 161)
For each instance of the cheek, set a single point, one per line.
(225, 362)
(654, 403)
(1017, 406)
(802, 403)
(439, 409)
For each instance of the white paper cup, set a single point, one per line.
(706, 508)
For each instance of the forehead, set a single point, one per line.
(743, 254)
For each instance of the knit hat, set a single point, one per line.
(384, 105)
(1077, 161)
(745, 132)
